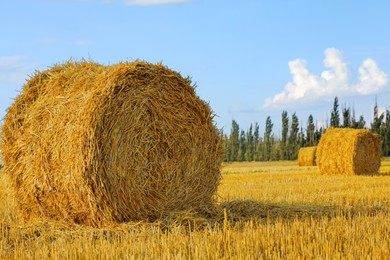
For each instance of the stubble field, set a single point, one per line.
(265, 211)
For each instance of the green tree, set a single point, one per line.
(260, 154)
(347, 117)
(385, 135)
(227, 147)
(357, 124)
(318, 134)
(310, 131)
(249, 155)
(234, 141)
(354, 123)
(242, 149)
(293, 138)
(361, 123)
(378, 120)
(267, 138)
(275, 149)
(301, 139)
(256, 141)
(335, 116)
(283, 142)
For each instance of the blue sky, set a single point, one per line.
(249, 58)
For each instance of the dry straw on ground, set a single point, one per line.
(307, 156)
(96, 144)
(349, 152)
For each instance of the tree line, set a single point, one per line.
(250, 145)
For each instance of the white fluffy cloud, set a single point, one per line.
(15, 69)
(154, 2)
(371, 79)
(307, 87)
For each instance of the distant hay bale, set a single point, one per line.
(349, 152)
(307, 156)
(95, 144)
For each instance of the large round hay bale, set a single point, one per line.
(96, 144)
(349, 152)
(307, 156)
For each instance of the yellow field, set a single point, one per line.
(266, 211)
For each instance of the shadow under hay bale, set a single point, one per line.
(349, 152)
(245, 210)
(307, 156)
(95, 144)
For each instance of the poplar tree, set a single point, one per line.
(347, 117)
(234, 141)
(250, 145)
(227, 148)
(310, 131)
(301, 139)
(256, 141)
(357, 124)
(335, 116)
(283, 143)
(242, 149)
(318, 134)
(378, 119)
(385, 135)
(267, 139)
(275, 149)
(354, 123)
(293, 138)
(361, 123)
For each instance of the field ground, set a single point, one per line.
(273, 210)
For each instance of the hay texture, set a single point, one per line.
(95, 144)
(349, 152)
(307, 156)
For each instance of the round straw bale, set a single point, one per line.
(349, 152)
(307, 156)
(95, 144)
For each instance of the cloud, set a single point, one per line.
(371, 79)
(154, 2)
(15, 69)
(309, 88)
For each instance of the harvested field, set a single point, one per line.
(267, 210)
